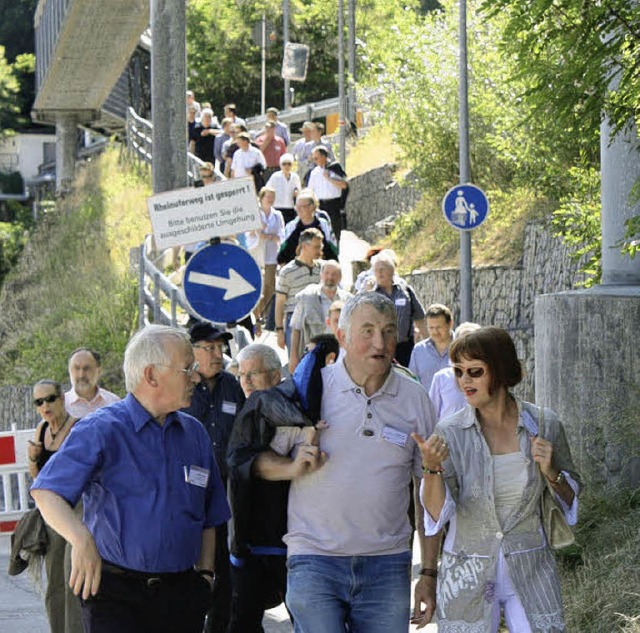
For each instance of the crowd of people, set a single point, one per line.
(220, 487)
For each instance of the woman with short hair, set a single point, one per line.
(483, 473)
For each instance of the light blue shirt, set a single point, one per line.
(426, 360)
(148, 490)
(445, 393)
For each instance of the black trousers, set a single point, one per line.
(220, 611)
(259, 584)
(130, 602)
(334, 208)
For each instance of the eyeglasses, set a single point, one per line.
(472, 372)
(49, 399)
(250, 374)
(189, 371)
(283, 164)
(306, 205)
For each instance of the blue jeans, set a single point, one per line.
(369, 594)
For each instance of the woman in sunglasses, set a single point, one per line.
(51, 432)
(482, 471)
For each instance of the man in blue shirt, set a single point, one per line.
(216, 400)
(143, 555)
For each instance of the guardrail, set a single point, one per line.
(14, 473)
(140, 143)
(154, 291)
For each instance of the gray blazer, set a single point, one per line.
(468, 567)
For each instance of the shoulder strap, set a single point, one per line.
(43, 430)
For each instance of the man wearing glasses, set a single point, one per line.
(216, 400)
(143, 554)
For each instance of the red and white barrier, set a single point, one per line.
(14, 466)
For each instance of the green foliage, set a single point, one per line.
(11, 182)
(12, 240)
(599, 585)
(631, 242)
(8, 91)
(72, 285)
(577, 221)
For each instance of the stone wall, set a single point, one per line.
(505, 296)
(377, 196)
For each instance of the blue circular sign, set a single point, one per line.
(465, 207)
(222, 283)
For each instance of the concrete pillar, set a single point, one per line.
(168, 88)
(66, 127)
(620, 171)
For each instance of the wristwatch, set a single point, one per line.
(559, 479)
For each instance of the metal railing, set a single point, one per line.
(140, 143)
(15, 479)
(155, 291)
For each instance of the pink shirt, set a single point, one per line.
(79, 407)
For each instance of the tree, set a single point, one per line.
(8, 93)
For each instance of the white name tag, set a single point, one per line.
(228, 407)
(394, 436)
(197, 476)
(402, 301)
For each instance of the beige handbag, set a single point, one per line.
(559, 533)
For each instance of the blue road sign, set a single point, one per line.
(465, 207)
(222, 283)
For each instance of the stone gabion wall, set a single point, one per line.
(505, 296)
(375, 196)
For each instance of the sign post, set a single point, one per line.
(198, 214)
(465, 208)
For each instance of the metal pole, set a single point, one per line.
(263, 74)
(168, 87)
(285, 39)
(341, 91)
(466, 304)
(351, 17)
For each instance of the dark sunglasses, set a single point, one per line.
(40, 401)
(472, 372)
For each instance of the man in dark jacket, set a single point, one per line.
(259, 507)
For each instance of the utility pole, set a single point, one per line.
(285, 39)
(341, 87)
(263, 73)
(466, 305)
(351, 17)
(168, 88)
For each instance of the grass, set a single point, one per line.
(73, 285)
(372, 150)
(600, 574)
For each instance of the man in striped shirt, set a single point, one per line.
(294, 277)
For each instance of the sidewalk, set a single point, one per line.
(22, 609)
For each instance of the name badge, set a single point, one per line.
(402, 301)
(394, 436)
(197, 476)
(228, 407)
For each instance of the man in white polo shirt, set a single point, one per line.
(349, 564)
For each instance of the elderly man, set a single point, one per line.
(143, 555)
(408, 307)
(309, 217)
(432, 354)
(303, 147)
(259, 507)
(203, 136)
(216, 400)
(294, 277)
(311, 314)
(329, 182)
(349, 563)
(85, 396)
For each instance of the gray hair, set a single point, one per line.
(374, 299)
(384, 259)
(150, 346)
(465, 328)
(268, 355)
(330, 263)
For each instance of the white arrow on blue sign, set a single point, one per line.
(222, 283)
(465, 207)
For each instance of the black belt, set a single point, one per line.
(151, 579)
